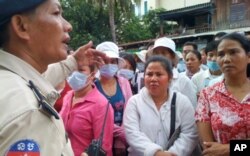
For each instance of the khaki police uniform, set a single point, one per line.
(24, 125)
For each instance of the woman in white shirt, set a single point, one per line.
(147, 115)
(193, 63)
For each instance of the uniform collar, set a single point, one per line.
(27, 72)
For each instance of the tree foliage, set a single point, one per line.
(87, 22)
(152, 21)
(132, 29)
(90, 21)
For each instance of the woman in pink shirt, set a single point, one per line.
(116, 89)
(83, 112)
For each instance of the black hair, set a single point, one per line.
(130, 59)
(194, 45)
(243, 40)
(121, 54)
(211, 46)
(219, 35)
(4, 33)
(166, 63)
(196, 53)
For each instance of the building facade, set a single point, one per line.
(200, 20)
(142, 7)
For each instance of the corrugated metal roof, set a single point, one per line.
(173, 14)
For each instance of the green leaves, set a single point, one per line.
(90, 21)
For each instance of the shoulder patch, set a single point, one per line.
(25, 147)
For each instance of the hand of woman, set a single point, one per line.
(215, 149)
(164, 153)
(85, 55)
(84, 154)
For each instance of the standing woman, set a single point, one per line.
(34, 37)
(223, 109)
(83, 115)
(147, 116)
(116, 89)
(128, 71)
(193, 63)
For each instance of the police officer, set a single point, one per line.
(33, 34)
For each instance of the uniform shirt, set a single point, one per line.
(215, 80)
(229, 118)
(24, 126)
(147, 128)
(84, 121)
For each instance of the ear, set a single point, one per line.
(20, 26)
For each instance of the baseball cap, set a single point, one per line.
(111, 50)
(8, 8)
(165, 42)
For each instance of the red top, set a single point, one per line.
(229, 118)
(59, 102)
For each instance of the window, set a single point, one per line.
(145, 7)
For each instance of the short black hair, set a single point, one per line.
(219, 35)
(4, 34)
(194, 45)
(130, 59)
(196, 53)
(211, 46)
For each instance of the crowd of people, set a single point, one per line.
(156, 102)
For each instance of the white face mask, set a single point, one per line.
(77, 80)
(108, 70)
(126, 73)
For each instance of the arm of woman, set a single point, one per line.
(205, 132)
(138, 141)
(203, 121)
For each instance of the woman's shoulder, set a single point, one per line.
(216, 87)
(121, 79)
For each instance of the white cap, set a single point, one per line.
(165, 42)
(142, 55)
(111, 50)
